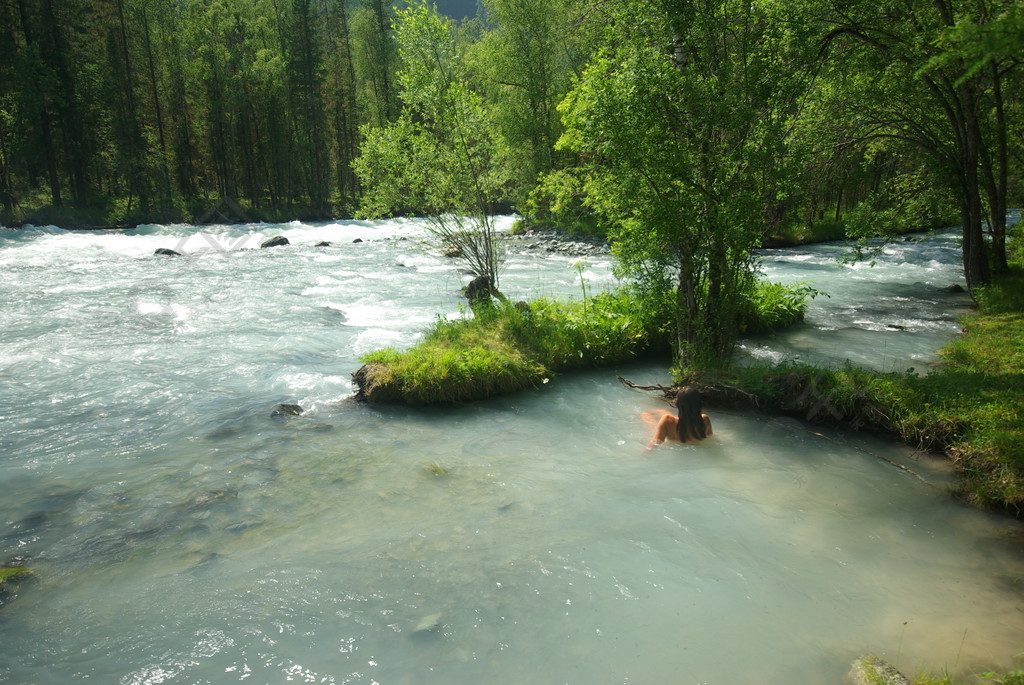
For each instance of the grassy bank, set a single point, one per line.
(970, 407)
(509, 347)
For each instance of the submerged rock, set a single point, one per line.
(428, 623)
(870, 670)
(10, 576)
(286, 410)
(358, 240)
(953, 288)
(322, 243)
(166, 252)
(276, 241)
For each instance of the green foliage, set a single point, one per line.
(901, 88)
(1007, 678)
(442, 157)
(683, 116)
(772, 306)
(524, 62)
(1012, 677)
(980, 41)
(512, 347)
(559, 201)
(969, 407)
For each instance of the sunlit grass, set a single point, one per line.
(514, 346)
(970, 407)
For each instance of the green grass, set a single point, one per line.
(1014, 677)
(970, 407)
(511, 347)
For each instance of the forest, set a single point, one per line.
(750, 119)
(130, 111)
(688, 131)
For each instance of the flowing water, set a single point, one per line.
(179, 533)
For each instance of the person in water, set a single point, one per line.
(690, 426)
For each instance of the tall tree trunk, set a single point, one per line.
(976, 264)
(996, 172)
(45, 125)
(157, 108)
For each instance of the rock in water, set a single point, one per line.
(322, 243)
(166, 252)
(286, 410)
(276, 241)
(427, 623)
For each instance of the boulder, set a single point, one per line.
(452, 251)
(166, 252)
(276, 241)
(376, 384)
(322, 243)
(953, 288)
(286, 410)
(358, 240)
(10, 578)
(479, 288)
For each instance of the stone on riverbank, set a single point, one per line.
(870, 670)
(556, 242)
(376, 384)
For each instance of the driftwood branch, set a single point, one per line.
(667, 393)
(713, 391)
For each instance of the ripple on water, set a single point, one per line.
(182, 533)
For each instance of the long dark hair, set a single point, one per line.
(691, 421)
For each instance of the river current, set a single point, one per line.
(180, 533)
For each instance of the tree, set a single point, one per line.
(376, 57)
(341, 97)
(682, 117)
(899, 83)
(523, 60)
(442, 157)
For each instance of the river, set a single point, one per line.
(180, 533)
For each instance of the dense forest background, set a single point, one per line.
(898, 112)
